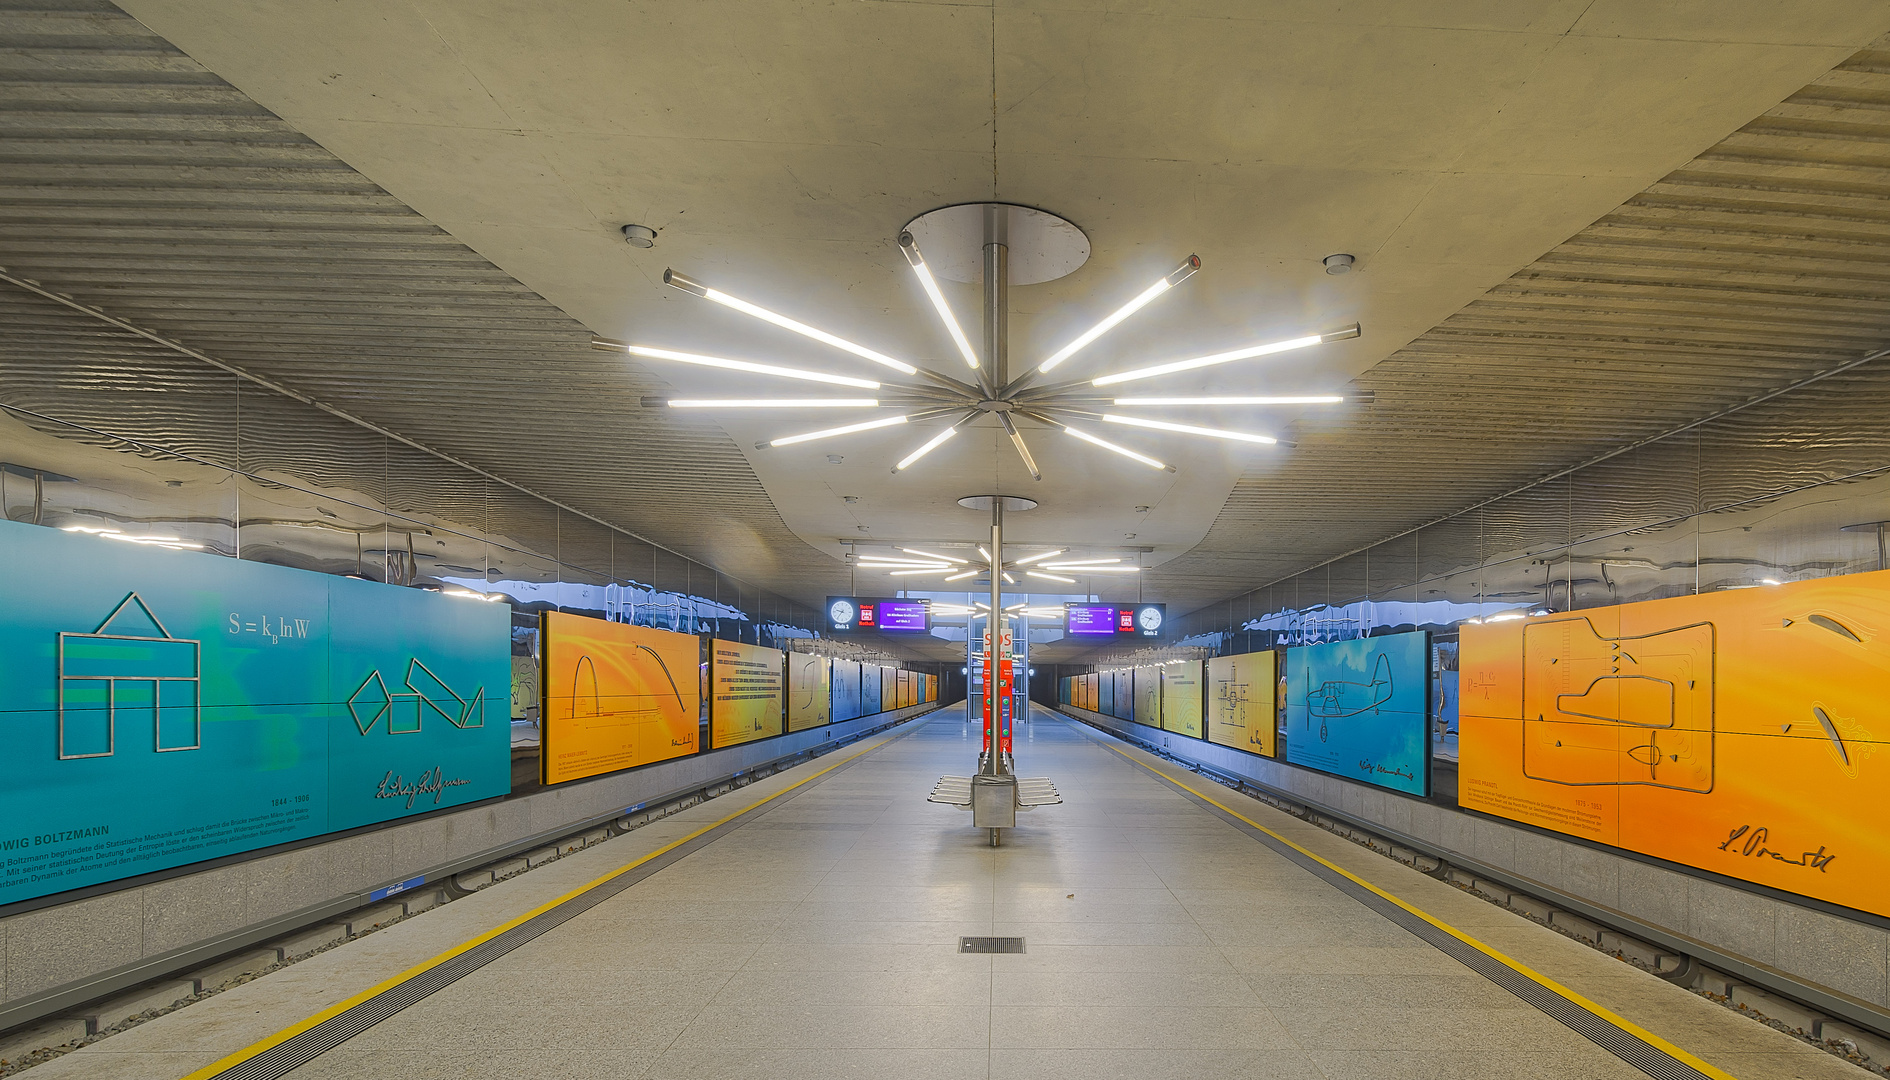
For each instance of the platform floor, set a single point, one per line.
(820, 940)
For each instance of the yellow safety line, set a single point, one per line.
(1520, 968)
(338, 1008)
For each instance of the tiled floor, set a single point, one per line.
(820, 941)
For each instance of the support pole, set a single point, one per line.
(994, 703)
(997, 306)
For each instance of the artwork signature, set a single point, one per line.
(1368, 766)
(432, 782)
(1754, 847)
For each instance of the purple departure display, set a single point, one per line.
(896, 616)
(1098, 619)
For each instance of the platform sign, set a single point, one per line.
(159, 707)
(885, 615)
(1114, 620)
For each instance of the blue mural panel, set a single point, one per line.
(846, 690)
(1358, 709)
(163, 707)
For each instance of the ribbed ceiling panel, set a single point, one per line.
(1760, 263)
(136, 181)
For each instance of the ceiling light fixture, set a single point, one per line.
(928, 570)
(929, 555)
(1222, 358)
(1107, 445)
(1082, 562)
(1028, 559)
(911, 248)
(678, 281)
(1318, 400)
(774, 403)
(648, 353)
(931, 444)
(1052, 577)
(1175, 277)
(986, 554)
(994, 245)
(1189, 429)
(1008, 579)
(1094, 569)
(885, 421)
(963, 576)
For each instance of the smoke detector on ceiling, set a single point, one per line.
(1335, 264)
(640, 236)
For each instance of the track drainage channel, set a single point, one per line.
(990, 944)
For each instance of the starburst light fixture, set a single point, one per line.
(996, 245)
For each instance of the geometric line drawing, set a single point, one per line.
(1612, 710)
(1337, 699)
(372, 707)
(406, 712)
(101, 674)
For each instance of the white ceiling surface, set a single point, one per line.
(779, 148)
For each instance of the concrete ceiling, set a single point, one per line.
(779, 147)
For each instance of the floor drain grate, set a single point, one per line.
(990, 944)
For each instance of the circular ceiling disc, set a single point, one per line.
(1043, 246)
(1011, 502)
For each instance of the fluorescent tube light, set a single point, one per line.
(911, 248)
(933, 570)
(1177, 276)
(1028, 559)
(1189, 429)
(963, 576)
(743, 365)
(1123, 450)
(1084, 562)
(931, 444)
(986, 554)
(774, 403)
(675, 280)
(1008, 579)
(1052, 577)
(929, 555)
(789, 440)
(1093, 569)
(1332, 399)
(1222, 358)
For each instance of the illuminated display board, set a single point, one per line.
(865, 614)
(1112, 620)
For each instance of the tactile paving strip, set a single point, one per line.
(1623, 1044)
(306, 1046)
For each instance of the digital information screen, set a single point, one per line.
(1082, 620)
(863, 614)
(1114, 620)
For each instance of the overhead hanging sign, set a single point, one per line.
(863, 614)
(1114, 620)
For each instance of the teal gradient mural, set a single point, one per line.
(1358, 709)
(162, 707)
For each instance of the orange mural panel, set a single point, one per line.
(615, 696)
(1741, 732)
